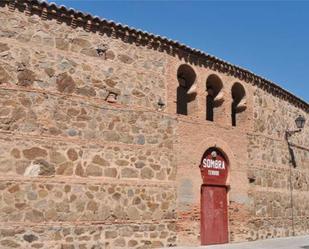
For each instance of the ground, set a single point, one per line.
(301, 242)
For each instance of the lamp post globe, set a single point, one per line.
(300, 122)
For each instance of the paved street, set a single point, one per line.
(301, 242)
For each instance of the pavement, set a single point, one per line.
(299, 242)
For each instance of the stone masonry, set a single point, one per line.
(93, 154)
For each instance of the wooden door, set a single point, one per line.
(214, 221)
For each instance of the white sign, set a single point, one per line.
(213, 164)
(213, 173)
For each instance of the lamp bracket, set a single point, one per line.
(290, 133)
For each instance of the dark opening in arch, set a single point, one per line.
(186, 78)
(238, 103)
(213, 88)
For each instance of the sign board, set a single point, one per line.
(214, 167)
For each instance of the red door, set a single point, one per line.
(214, 223)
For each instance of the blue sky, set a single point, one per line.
(270, 38)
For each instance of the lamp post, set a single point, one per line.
(300, 123)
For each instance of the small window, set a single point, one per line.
(238, 103)
(186, 93)
(214, 96)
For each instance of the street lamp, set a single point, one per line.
(300, 123)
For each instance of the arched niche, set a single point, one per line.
(186, 90)
(214, 98)
(238, 102)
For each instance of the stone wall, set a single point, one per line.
(86, 160)
(129, 213)
(89, 160)
(89, 236)
(49, 56)
(38, 157)
(279, 192)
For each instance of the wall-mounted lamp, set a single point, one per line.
(161, 104)
(111, 97)
(300, 123)
(100, 51)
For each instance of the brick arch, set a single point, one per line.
(186, 90)
(214, 89)
(222, 146)
(217, 75)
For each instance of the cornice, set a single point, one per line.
(92, 23)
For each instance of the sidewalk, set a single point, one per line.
(301, 242)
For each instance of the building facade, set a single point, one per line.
(112, 137)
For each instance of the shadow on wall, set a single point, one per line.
(292, 156)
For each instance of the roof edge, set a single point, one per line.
(140, 37)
